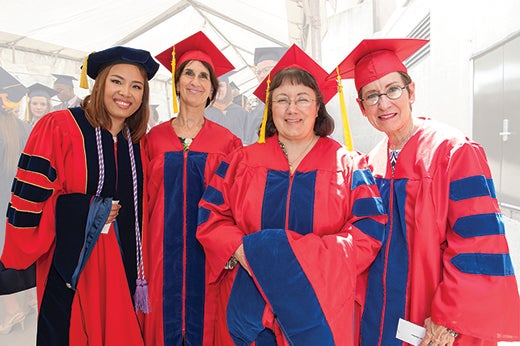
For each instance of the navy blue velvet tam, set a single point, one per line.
(116, 55)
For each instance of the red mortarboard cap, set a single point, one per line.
(295, 57)
(196, 47)
(375, 58)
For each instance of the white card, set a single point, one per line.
(410, 332)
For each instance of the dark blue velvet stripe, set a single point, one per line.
(173, 246)
(479, 225)
(396, 279)
(37, 165)
(397, 276)
(244, 310)
(213, 196)
(491, 187)
(195, 264)
(30, 192)
(203, 215)
(275, 199)
(371, 228)
(484, 264)
(301, 209)
(362, 177)
(470, 187)
(222, 169)
(287, 288)
(22, 219)
(368, 207)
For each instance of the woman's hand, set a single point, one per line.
(114, 211)
(436, 335)
(241, 258)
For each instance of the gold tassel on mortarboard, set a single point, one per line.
(83, 80)
(174, 91)
(261, 137)
(346, 127)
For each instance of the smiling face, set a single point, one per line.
(194, 85)
(123, 93)
(39, 106)
(294, 110)
(392, 117)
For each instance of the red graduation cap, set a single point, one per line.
(196, 47)
(295, 57)
(375, 58)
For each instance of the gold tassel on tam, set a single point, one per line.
(83, 80)
(261, 137)
(346, 127)
(174, 91)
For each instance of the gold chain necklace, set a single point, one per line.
(291, 163)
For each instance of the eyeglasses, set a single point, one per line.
(300, 102)
(393, 93)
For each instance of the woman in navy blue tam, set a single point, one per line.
(76, 207)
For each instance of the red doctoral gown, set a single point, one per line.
(305, 236)
(174, 258)
(58, 175)
(445, 254)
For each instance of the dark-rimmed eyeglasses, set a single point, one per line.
(393, 93)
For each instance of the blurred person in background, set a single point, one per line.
(64, 86)
(264, 60)
(224, 111)
(39, 102)
(13, 135)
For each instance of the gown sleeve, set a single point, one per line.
(217, 230)
(478, 277)
(30, 214)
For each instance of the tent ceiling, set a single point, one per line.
(63, 28)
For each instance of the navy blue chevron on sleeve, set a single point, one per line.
(471, 187)
(30, 192)
(362, 177)
(37, 165)
(22, 219)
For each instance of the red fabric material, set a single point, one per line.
(212, 139)
(476, 306)
(106, 311)
(241, 213)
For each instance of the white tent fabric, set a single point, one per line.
(61, 29)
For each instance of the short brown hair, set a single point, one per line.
(97, 114)
(324, 124)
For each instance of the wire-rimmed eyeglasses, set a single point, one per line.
(300, 102)
(393, 93)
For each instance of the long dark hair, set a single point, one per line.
(324, 124)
